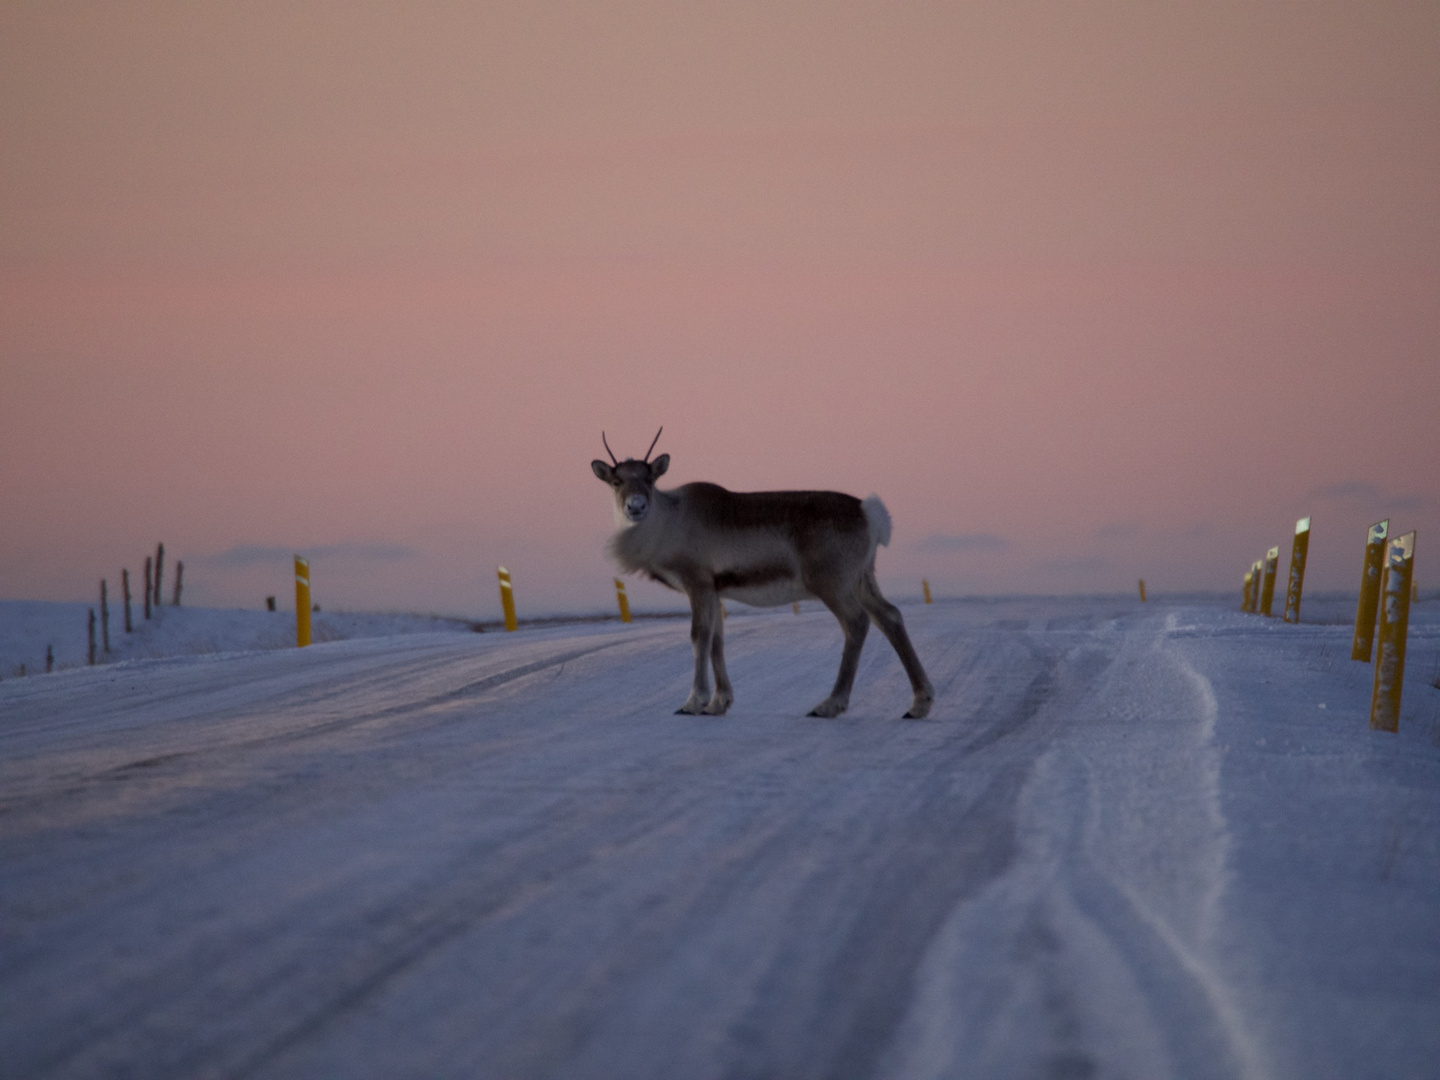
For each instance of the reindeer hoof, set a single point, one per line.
(828, 708)
(920, 707)
(717, 706)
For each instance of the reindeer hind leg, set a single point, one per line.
(892, 624)
(855, 623)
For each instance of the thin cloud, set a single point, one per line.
(1348, 489)
(980, 541)
(1080, 565)
(1117, 530)
(1367, 494)
(360, 550)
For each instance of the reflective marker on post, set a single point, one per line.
(926, 586)
(302, 601)
(624, 601)
(507, 599)
(1298, 551)
(1394, 623)
(1364, 643)
(1267, 586)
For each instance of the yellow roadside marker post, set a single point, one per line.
(1142, 590)
(507, 599)
(1364, 643)
(1298, 550)
(1394, 624)
(795, 607)
(1245, 592)
(926, 586)
(1257, 571)
(624, 600)
(1267, 588)
(302, 602)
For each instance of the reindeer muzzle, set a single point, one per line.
(636, 507)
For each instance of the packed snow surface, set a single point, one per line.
(1132, 840)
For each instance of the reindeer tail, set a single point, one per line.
(879, 519)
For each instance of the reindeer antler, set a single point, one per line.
(608, 450)
(653, 442)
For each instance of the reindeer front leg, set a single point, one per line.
(704, 617)
(724, 695)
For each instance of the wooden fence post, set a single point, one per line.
(1363, 645)
(149, 583)
(1257, 571)
(1267, 586)
(159, 571)
(1394, 624)
(92, 636)
(125, 587)
(1298, 550)
(104, 615)
(49, 660)
(507, 599)
(1142, 590)
(179, 575)
(302, 601)
(924, 584)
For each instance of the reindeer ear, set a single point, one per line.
(658, 466)
(603, 470)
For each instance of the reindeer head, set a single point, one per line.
(633, 481)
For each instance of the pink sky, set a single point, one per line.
(1087, 292)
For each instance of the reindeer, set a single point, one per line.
(762, 548)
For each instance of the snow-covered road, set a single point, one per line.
(1131, 840)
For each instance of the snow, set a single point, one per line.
(1132, 840)
(28, 627)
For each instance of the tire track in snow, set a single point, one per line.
(1171, 944)
(1096, 943)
